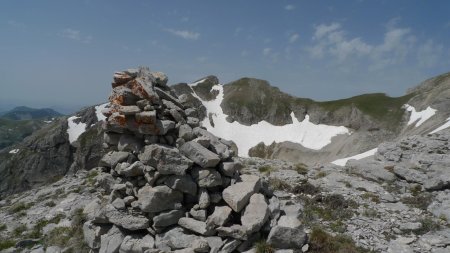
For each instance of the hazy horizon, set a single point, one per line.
(63, 54)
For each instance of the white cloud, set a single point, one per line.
(266, 51)
(289, 7)
(322, 30)
(185, 34)
(293, 38)
(331, 39)
(333, 42)
(76, 35)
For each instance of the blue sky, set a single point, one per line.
(65, 52)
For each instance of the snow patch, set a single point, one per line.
(75, 130)
(195, 84)
(98, 111)
(343, 161)
(444, 126)
(419, 117)
(305, 132)
(14, 151)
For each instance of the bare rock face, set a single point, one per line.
(159, 198)
(171, 185)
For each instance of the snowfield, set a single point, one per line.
(419, 117)
(75, 130)
(444, 126)
(98, 111)
(343, 161)
(305, 132)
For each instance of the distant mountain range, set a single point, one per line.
(22, 121)
(27, 113)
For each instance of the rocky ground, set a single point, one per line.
(396, 201)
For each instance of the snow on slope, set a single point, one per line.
(14, 151)
(75, 130)
(419, 117)
(343, 161)
(305, 133)
(98, 111)
(444, 126)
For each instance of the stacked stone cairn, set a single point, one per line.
(168, 185)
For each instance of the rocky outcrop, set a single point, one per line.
(41, 158)
(169, 181)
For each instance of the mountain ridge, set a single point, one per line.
(28, 113)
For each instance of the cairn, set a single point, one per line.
(168, 185)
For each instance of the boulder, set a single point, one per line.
(182, 183)
(235, 231)
(129, 110)
(112, 158)
(198, 214)
(158, 199)
(165, 159)
(136, 244)
(195, 226)
(256, 213)
(134, 170)
(220, 216)
(147, 117)
(230, 245)
(185, 132)
(238, 195)
(168, 218)
(92, 234)
(286, 238)
(203, 198)
(175, 238)
(207, 178)
(110, 242)
(126, 220)
(199, 154)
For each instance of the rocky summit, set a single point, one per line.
(170, 186)
(144, 175)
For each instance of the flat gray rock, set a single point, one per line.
(165, 159)
(168, 218)
(136, 244)
(158, 199)
(111, 159)
(196, 226)
(125, 220)
(256, 213)
(286, 238)
(220, 215)
(199, 154)
(238, 195)
(182, 183)
(110, 242)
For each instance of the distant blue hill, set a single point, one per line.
(27, 113)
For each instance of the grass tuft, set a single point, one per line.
(264, 247)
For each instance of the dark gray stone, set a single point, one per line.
(199, 154)
(165, 159)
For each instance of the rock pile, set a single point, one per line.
(170, 185)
